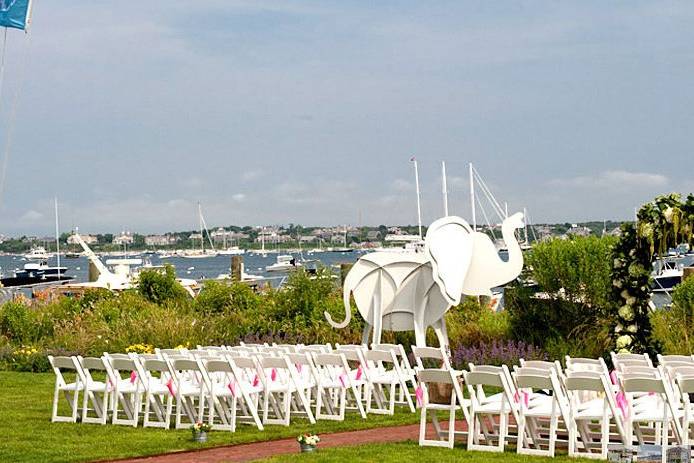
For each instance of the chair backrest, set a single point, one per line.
(534, 378)
(351, 354)
(435, 375)
(484, 378)
(217, 366)
(430, 355)
(183, 364)
(155, 365)
(584, 381)
(380, 356)
(585, 364)
(685, 384)
(64, 363)
(617, 359)
(667, 359)
(640, 383)
(336, 360)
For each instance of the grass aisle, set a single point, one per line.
(29, 436)
(410, 451)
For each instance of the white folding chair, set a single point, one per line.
(531, 412)
(96, 392)
(127, 390)
(583, 413)
(281, 390)
(457, 402)
(189, 391)
(331, 389)
(71, 390)
(222, 393)
(158, 388)
(358, 371)
(247, 375)
(481, 407)
(657, 411)
(685, 386)
(384, 371)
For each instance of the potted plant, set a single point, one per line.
(200, 431)
(308, 442)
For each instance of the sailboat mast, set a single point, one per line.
(57, 236)
(444, 187)
(419, 206)
(472, 199)
(202, 237)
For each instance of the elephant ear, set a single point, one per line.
(448, 245)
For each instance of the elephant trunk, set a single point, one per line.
(348, 311)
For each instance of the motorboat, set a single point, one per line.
(35, 273)
(284, 263)
(198, 253)
(36, 253)
(667, 274)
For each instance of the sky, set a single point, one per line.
(276, 112)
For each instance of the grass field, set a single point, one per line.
(29, 436)
(410, 451)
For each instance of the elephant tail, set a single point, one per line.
(348, 311)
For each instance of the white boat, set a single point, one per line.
(667, 275)
(231, 251)
(284, 263)
(36, 253)
(201, 253)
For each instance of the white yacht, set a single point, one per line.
(285, 263)
(667, 275)
(37, 253)
(231, 251)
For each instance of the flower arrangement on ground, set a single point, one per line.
(308, 442)
(200, 431)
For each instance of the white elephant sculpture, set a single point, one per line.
(413, 290)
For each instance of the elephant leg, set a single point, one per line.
(366, 333)
(378, 311)
(442, 334)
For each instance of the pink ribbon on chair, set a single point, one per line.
(419, 395)
(109, 384)
(232, 388)
(613, 377)
(359, 373)
(256, 381)
(170, 386)
(299, 367)
(526, 397)
(273, 374)
(133, 377)
(343, 378)
(622, 403)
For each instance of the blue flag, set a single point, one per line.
(15, 13)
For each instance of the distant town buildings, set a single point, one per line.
(160, 240)
(89, 239)
(125, 237)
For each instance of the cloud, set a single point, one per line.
(250, 175)
(31, 216)
(192, 182)
(239, 197)
(614, 179)
(401, 185)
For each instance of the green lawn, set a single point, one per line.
(29, 436)
(411, 451)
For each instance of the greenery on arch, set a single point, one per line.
(663, 223)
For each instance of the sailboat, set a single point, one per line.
(201, 253)
(231, 250)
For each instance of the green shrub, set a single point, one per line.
(673, 328)
(17, 322)
(158, 287)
